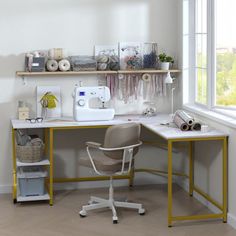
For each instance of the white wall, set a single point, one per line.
(77, 26)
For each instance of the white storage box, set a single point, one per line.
(31, 181)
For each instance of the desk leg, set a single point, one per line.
(169, 183)
(14, 189)
(51, 165)
(225, 177)
(191, 163)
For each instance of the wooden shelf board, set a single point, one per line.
(45, 73)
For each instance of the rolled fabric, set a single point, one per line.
(180, 123)
(196, 126)
(52, 65)
(146, 77)
(64, 65)
(185, 117)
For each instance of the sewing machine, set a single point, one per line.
(82, 110)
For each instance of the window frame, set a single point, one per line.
(211, 59)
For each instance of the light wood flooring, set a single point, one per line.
(39, 219)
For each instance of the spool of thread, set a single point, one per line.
(120, 76)
(64, 65)
(102, 66)
(146, 77)
(56, 53)
(52, 65)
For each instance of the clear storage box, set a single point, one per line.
(31, 181)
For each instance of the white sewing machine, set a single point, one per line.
(82, 110)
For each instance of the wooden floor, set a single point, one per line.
(34, 219)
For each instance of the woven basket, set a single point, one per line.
(30, 154)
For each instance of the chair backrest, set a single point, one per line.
(120, 136)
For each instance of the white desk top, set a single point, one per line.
(151, 123)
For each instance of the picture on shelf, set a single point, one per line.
(130, 56)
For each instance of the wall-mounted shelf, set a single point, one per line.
(46, 73)
(147, 71)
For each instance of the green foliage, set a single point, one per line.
(225, 79)
(164, 58)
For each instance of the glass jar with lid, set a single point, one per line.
(150, 55)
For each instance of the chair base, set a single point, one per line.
(98, 203)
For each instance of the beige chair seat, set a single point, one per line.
(103, 163)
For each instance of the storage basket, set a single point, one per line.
(30, 153)
(31, 181)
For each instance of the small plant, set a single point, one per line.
(164, 58)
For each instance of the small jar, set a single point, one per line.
(150, 55)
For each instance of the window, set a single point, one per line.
(201, 51)
(225, 53)
(209, 53)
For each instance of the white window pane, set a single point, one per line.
(201, 51)
(201, 16)
(201, 83)
(225, 53)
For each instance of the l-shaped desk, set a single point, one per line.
(154, 124)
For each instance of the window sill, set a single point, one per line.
(214, 115)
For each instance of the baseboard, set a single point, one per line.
(232, 220)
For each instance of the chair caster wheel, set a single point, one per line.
(115, 219)
(82, 214)
(141, 212)
(14, 201)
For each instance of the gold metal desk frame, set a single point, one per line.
(49, 146)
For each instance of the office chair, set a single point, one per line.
(121, 144)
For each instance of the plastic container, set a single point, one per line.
(31, 181)
(150, 55)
